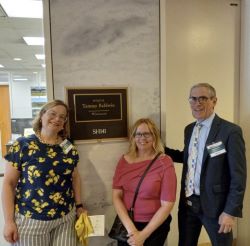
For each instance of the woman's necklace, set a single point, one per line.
(55, 142)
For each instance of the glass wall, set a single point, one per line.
(22, 67)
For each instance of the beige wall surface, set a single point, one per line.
(202, 45)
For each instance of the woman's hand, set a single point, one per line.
(79, 211)
(10, 232)
(136, 238)
(11, 177)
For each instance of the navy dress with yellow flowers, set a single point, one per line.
(44, 190)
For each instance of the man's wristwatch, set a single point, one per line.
(79, 205)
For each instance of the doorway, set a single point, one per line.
(5, 127)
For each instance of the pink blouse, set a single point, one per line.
(158, 184)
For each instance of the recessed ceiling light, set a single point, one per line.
(40, 56)
(34, 40)
(17, 59)
(24, 8)
(20, 79)
(43, 65)
(1, 65)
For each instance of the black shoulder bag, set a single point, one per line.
(118, 230)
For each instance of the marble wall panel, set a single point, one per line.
(106, 43)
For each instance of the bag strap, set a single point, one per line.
(143, 176)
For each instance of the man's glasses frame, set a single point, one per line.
(201, 99)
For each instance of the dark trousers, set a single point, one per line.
(158, 237)
(190, 221)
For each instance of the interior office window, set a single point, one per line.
(22, 64)
(38, 98)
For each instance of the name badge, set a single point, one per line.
(66, 146)
(216, 149)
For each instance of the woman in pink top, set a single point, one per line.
(157, 193)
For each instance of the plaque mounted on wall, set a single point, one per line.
(97, 113)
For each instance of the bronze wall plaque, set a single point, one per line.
(97, 113)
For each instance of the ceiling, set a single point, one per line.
(13, 46)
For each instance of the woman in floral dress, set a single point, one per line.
(41, 187)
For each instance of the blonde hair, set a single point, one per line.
(157, 144)
(37, 122)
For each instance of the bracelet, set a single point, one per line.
(79, 205)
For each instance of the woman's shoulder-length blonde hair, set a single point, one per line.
(37, 122)
(157, 143)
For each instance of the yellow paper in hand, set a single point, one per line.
(83, 228)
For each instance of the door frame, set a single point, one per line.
(5, 121)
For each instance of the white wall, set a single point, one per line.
(20, 100)
(202, 45)
(20, 96)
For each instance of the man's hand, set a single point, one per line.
(226, 223)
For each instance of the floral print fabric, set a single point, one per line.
(44, 190)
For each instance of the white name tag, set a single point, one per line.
(66, 146)
(216, 149)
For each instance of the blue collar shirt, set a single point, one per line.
(204, 131)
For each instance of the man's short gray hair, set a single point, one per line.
(210, 88)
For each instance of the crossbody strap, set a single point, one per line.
(139, 183)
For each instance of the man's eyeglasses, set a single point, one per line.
(143, 134)
(53, 114)
(201, 99)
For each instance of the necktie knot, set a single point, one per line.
(199, 125)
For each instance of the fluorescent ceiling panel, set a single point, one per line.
(1, 65)
(21, 79)
(34, 40)
(23, 8)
